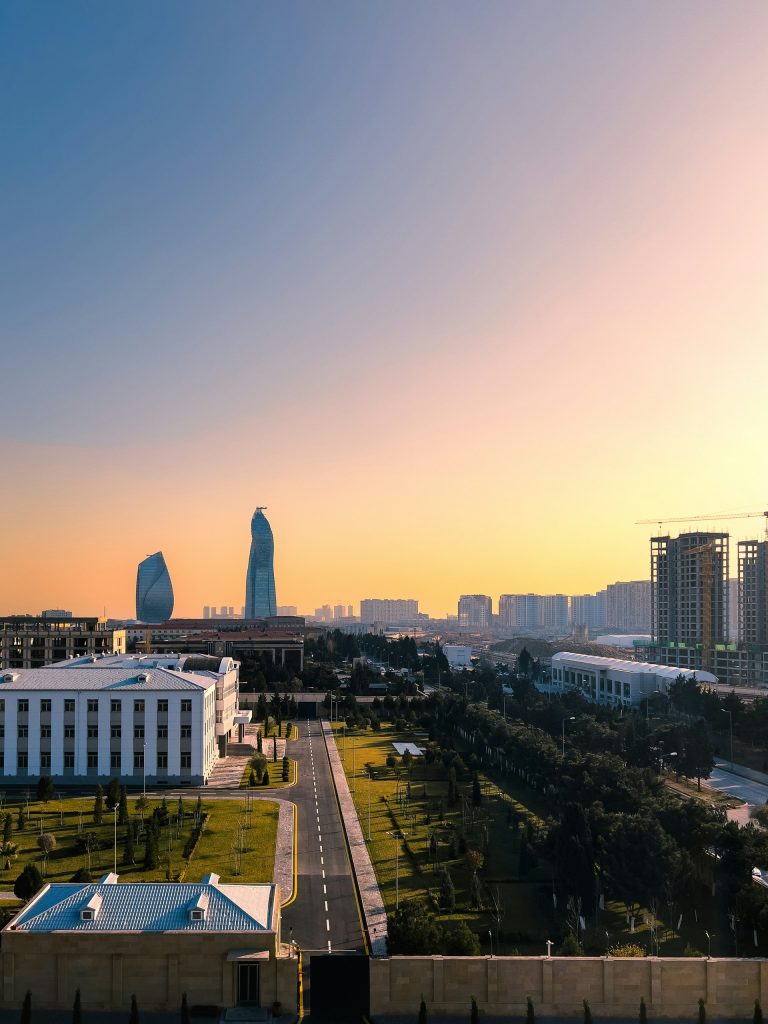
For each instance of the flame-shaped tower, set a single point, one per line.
(260, 600)
(154, 591)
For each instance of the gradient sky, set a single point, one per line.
(458, 291)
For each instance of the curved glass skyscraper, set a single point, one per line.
(260, 598)
(154, 592)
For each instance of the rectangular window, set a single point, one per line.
(114, 762)
(186, 760)
(162, 707)
(69, 759)
(23, 707)
(69, 732)
(162, 760)
(138, 732)
(219, 717)
(69, 706)
(114, 707)
(162, 732)
(23, 731)
(186, 732)
(45, 761)
(93, 706)
(45, 732)
(2, 730)
(93, 732)
(2, 706)
(45, 706)
(93, 760)
(21, 760)
(138, 760)
(186, 705)
(138, 707)
(116, 732)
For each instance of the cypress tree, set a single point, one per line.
(643, 1012)
(150, 851)
(122, 813)
(757, 1015)
(530, 1016)
(185, 1018)
(474, 1014)
(422, 1012)
(26, 1009)
(7, 828)
(587, 1013)
(77, 1015)
(22, 821)
(702, 1012)
(134, 1017)
(98, 806)
(129, 853)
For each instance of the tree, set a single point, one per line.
(474, 1014)
(530, 1016)
(477, 793)
(122, 813)
(252, 778)
(87, 843)
(274, 748)
(184, 1018)
(150, 851)
(26, 1009)
(412, 931)
(702, 1012)
(757, 1014)
(45, 790)
(129, 852)
(134, 1017)
(47, 843)
(22, 819)
(98, 806)
(587, 1013)
(447, 891)
(113, 794)
(460, 940)
(7, 828)
(28, 883)
(422, 1012)
(77, 1015)
(643, 1012)
(286, 769)
(8, 851)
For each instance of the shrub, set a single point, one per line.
(626, 950)
(28, 883)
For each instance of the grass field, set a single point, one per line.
(228, 827)
(275, 771)
(416, 804)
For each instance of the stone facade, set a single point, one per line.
(671, 987)
(156, 968)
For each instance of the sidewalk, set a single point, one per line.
(372, 904)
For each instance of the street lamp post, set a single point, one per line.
(397, 836)
(730, 722)
(572, 718)
(117, 805)
(144, 768)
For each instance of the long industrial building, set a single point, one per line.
(159, 720)
(613, 681)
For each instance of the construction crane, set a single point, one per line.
(707, 570)
(707, 517)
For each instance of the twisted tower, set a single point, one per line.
(154, 591)
(260, 598)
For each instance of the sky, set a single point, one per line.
(458, 291)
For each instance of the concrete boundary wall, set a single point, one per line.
(671, 987)
(367, 886)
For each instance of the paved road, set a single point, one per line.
(735, 785)
(324, 915)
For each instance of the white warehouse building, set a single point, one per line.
(614, 681)
(144, 719)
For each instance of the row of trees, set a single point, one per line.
(77, 1011)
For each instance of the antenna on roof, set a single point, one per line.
(261, 508)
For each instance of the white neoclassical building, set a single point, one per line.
(144, 719)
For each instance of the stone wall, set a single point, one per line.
(613, 986)
(109, 968)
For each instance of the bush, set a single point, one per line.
(626, 950)
(571, 947)
(28, 883)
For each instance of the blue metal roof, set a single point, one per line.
(149, 907)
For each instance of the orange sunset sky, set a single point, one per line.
(458, 292)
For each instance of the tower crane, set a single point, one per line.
(706, 517)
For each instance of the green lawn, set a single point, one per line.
(275, 771)
(228, 828)
(526, 914)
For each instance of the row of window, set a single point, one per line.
(115, 706)
(115, 761)
(93, 731)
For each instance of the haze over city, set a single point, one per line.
(457, 303)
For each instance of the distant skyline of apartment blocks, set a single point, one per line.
(226, 611)
(689, 588)
(475, 611)
(287, 609)
(375, 609)
(548, 612)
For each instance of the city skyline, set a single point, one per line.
(484, 270)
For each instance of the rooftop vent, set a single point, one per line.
(9, 677)
(211, 879)
(143, 677)
(199, 908)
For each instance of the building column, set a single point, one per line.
(81, 732)
(105, 728)
(57, 734)
(126, 735)
(150, 736)
(198, 731)
(33, 735)
(11, 735)
(174, 734)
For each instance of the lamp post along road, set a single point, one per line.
(116, 807)
(572, 718)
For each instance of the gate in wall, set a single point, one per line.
(339, 985)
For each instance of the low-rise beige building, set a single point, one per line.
(218, 943)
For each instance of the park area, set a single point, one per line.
(467, 844)
(152, 839)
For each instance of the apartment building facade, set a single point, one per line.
(33, 641)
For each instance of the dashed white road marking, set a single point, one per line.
(326, 906)
(325, 891)
(323, 872)
(327, 925)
